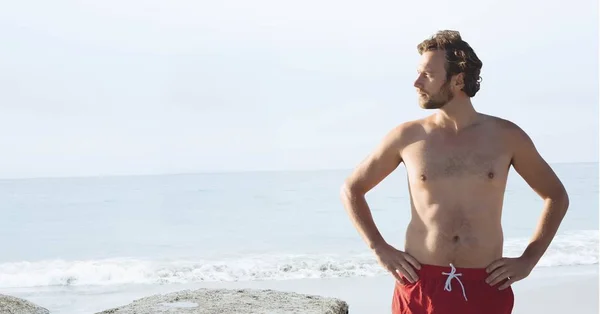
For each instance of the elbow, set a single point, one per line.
(560, 200)
(345, 191)
(349, 190)
(565, 200)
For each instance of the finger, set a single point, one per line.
(394, 273)
(411, 272)
(495, 264)
(412, 261)
(399, 277)
(507, 283)
(400, 269)
(497, 272)
(497, 276)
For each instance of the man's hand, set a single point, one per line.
(397, 262)
(512, 269)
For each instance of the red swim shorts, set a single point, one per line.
(449, 290)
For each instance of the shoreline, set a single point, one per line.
(546, 290)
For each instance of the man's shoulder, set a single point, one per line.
(407, 129)
(502, 123)
(508, 129)
(403, 134)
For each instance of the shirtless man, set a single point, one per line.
(457, 162)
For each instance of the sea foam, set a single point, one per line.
(567, 249)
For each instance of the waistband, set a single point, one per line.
(441, 272)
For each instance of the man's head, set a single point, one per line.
(449, 68)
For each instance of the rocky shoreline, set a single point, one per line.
(12, 305)
(208, 301)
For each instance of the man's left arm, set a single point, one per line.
(532, 167)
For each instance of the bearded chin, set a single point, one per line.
(439, 100)
(433, 104)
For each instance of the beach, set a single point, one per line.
(83, 245)
(547, 290)
(544, 291)
(151, 147)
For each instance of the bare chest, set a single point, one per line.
(473, 157)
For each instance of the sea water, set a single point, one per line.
(68, 241)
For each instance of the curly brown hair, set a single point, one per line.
(460, 58)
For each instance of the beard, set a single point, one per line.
(438, 100)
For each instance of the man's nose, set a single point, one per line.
(417, 83)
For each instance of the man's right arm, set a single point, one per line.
(378, 165)
(370, 172)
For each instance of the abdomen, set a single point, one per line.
(459, 225)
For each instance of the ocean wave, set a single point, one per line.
(567, 249)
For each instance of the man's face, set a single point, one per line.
(431, 84)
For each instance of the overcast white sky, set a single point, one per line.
(132, 87)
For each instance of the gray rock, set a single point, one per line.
(12, 305)
(226, 301)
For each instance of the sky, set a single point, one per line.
(145, 87)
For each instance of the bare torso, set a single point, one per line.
(456, 183)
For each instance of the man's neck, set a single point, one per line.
(456, 115)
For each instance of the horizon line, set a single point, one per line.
(214, 172)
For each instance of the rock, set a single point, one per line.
(14, 305)
(226, 301)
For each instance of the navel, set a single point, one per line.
(455, 238)
(423, 177)
(490, 175)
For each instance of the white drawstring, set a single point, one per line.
(452, 274)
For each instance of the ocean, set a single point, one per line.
(68, 241)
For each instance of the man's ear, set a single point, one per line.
(459, 81)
